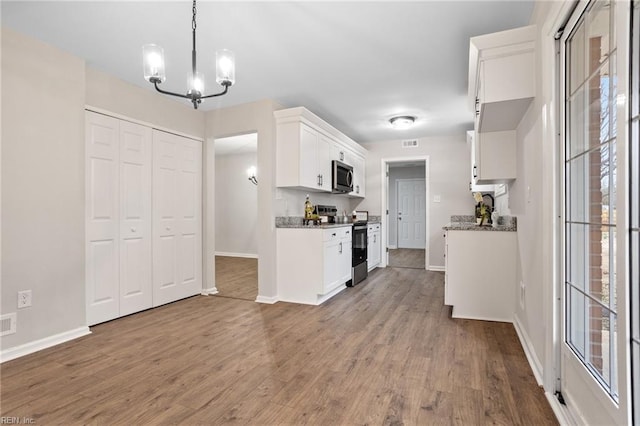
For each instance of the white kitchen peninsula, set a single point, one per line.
(480, 271)
(314, 261)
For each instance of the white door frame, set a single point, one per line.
(384, 197)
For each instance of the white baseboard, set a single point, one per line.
(38, 345)
(529, 351)
(228, 254)
(209, 291)
(268, 300)
(392, 247)
(436, 268)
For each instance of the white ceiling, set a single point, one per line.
(353, 63)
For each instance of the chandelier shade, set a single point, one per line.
(154, 70)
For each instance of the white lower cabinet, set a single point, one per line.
(123, 257)
(374, 246)
(480, 274)
(313, 264)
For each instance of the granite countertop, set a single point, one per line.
(311, 226)
(294, 222)
(467, 223)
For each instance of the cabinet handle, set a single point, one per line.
(477, 106)
(469, 186)
(341, 156)
(374, 238)
(341, 247)
(475, 171)
(321, 180)
(333, 235)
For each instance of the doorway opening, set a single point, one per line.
(406, 212)
(236, 216)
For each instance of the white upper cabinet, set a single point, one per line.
(305, 147)
(501, 78)
(495, 158)
(358, 163)
(473, 179)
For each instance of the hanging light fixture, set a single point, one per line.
(153, 59)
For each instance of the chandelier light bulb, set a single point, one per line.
(153, 62)
(225, 67)
(196, 83)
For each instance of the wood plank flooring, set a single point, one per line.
(237, 277)
(406, 258)
(383, 352)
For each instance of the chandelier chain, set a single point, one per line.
(193, 20)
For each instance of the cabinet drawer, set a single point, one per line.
(337, 233)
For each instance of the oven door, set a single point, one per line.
(359, 253)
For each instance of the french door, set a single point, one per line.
(594, 316)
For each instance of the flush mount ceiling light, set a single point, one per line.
(402, 121)
(153, 59)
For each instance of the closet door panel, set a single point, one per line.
(190, 262)
(135, 218)
(177, 248)
(165, 205)
(101, 217)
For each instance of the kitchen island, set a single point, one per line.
(480, 270)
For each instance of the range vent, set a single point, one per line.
(410, 144)
(7, 324)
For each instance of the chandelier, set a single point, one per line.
(153, 59)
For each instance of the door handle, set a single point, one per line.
(133, 229)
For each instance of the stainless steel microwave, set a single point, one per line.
(342, 181)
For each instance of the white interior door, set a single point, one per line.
(411, 213)
(102, 217)
(177, 205)
(135, 218)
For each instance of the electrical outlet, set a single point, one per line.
(24, 299)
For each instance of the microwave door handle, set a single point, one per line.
(349, 178)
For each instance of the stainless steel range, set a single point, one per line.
(359, 268)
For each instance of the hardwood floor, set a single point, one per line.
(237, 277)
(383, 352)
(406, 258)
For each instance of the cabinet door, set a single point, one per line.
(309, 174)
(358, 164)
(177, 223)
(102, 249)
(333, 265)
(473, 146)
(374, 253)
(324, 156)
(135, 218)
(496, 157)
(345, 253)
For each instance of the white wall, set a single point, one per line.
(236, 205)
(248, 118)
(114, 95)
(44, 93)
(290, 202)
(449, 159)
(396, 173)
(42, 188)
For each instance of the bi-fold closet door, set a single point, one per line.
(139, 182)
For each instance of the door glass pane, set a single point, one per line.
(598, 29)
(590, 183)
(576, 306)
